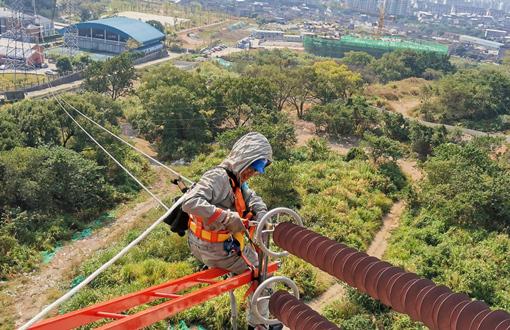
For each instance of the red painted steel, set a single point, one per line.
(434, 305)
(177, 303)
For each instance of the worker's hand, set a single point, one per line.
(235, 223)
(260, 215)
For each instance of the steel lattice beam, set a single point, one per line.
(16, 35)
(114, 309)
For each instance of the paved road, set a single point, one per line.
(76, 84)
(467, 131)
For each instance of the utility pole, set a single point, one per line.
(380, 24)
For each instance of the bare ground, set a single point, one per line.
(405, 106)
(410, 169)
(305, 131)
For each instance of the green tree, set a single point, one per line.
(64, 65)
(277, 186)
(242, 99)
(301, 80)
(280, 80)
(334, 119)
(157, 25)
(391, 67)
(10, 135)
(113, 77)
(338, 119)
(64, 181)
(278, 129)
(421, 139)
(333, 81)
(37, 123)
(81, 61)
(467, 186)
(472, 94)
(175, 122)
(402, 64)
(381, 148)
(357, 59)
(317, 149)
(395, 126)
(360, 62)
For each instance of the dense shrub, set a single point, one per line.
(457, 230)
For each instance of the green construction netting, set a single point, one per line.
(182, 326)
(103, 219)
(346, 43)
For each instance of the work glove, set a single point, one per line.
(234, 222)
(260, 215)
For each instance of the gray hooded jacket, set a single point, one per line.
(214, 191)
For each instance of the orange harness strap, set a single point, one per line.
(195, 223)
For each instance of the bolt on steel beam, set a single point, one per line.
(435, 305)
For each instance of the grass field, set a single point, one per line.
(10, 82)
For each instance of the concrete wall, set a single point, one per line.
(59, 81)
(151, 57)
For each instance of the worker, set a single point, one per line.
(218, 206)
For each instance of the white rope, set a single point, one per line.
(92, 276)
(127, 143)
(125, 250)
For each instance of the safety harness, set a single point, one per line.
(196, 224)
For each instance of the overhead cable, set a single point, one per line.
(125, 250)
(113, 158)
(92, 276)
(125, 142)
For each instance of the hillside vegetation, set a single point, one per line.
(54, 182)
(343, 200)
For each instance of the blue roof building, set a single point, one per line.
(111, 35)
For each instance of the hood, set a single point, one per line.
(246, 150)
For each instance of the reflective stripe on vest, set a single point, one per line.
(214, 236)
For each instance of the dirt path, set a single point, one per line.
(33, 291)
(410, 169)
(405, 106)
(30, 292)
(376, 249)
(305, 131)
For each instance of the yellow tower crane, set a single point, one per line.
(380, 24)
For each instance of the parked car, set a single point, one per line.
(50, 72)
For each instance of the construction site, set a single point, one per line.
(373, 46)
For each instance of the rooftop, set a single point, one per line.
(131, 28)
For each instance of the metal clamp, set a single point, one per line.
(266, 227)
(266, 286)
